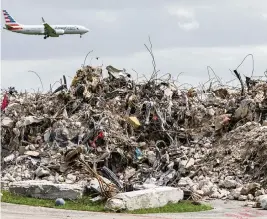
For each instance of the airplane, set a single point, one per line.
(45, 29)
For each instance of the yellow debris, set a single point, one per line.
(133, 121)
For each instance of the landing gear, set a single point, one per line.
(46, 36)
(80, 35)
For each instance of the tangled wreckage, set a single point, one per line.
(113, 135)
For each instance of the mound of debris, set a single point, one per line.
(131, 136)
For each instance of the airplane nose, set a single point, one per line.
(86, 30)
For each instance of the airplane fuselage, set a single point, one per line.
(40, 30)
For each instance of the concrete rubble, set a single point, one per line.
(209, 142)
(47, 190)
(148, 198)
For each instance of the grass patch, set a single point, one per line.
(182, 206)
(85, 204)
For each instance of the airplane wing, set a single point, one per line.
(48, 29)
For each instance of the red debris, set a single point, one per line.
(100, 135)
(155, 118)
(4, 102)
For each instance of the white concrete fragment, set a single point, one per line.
(61, 179)
(32, 153)
(263, 201)
(151, 156)
(236, 193)
(32, 147)
(46, 189)
(242, 198)
(250, 197)
(129, 172)
(115, 204)
(250, 188)
(259, 192)
(223, 193)
(10, 157)
(94, 184)
(41, 172)
(144, 186)
(149, 198)
(11, 107)
(28, 121)
(228, 183)
(185, 181)
(211, 112)
(8, 177)
(47, 135)
(7, 122)
(187, 163)
(71, 177)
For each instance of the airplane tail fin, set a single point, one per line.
(10, 22)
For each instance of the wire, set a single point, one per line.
(86, 57)
(252, 57)
(218, 79)
(39, 78)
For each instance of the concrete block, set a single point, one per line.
(46, 189)
(148, 198)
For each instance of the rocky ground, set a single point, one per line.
(209, 142)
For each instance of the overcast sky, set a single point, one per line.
(187, 37)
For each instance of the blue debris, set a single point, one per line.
(60, 201)
(138, 153)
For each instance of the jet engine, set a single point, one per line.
(60, 32)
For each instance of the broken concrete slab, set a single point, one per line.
(149, 198)
(46, 189)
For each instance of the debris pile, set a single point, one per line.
(130, 136)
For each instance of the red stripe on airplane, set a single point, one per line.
(11, 23)
(16, 28)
